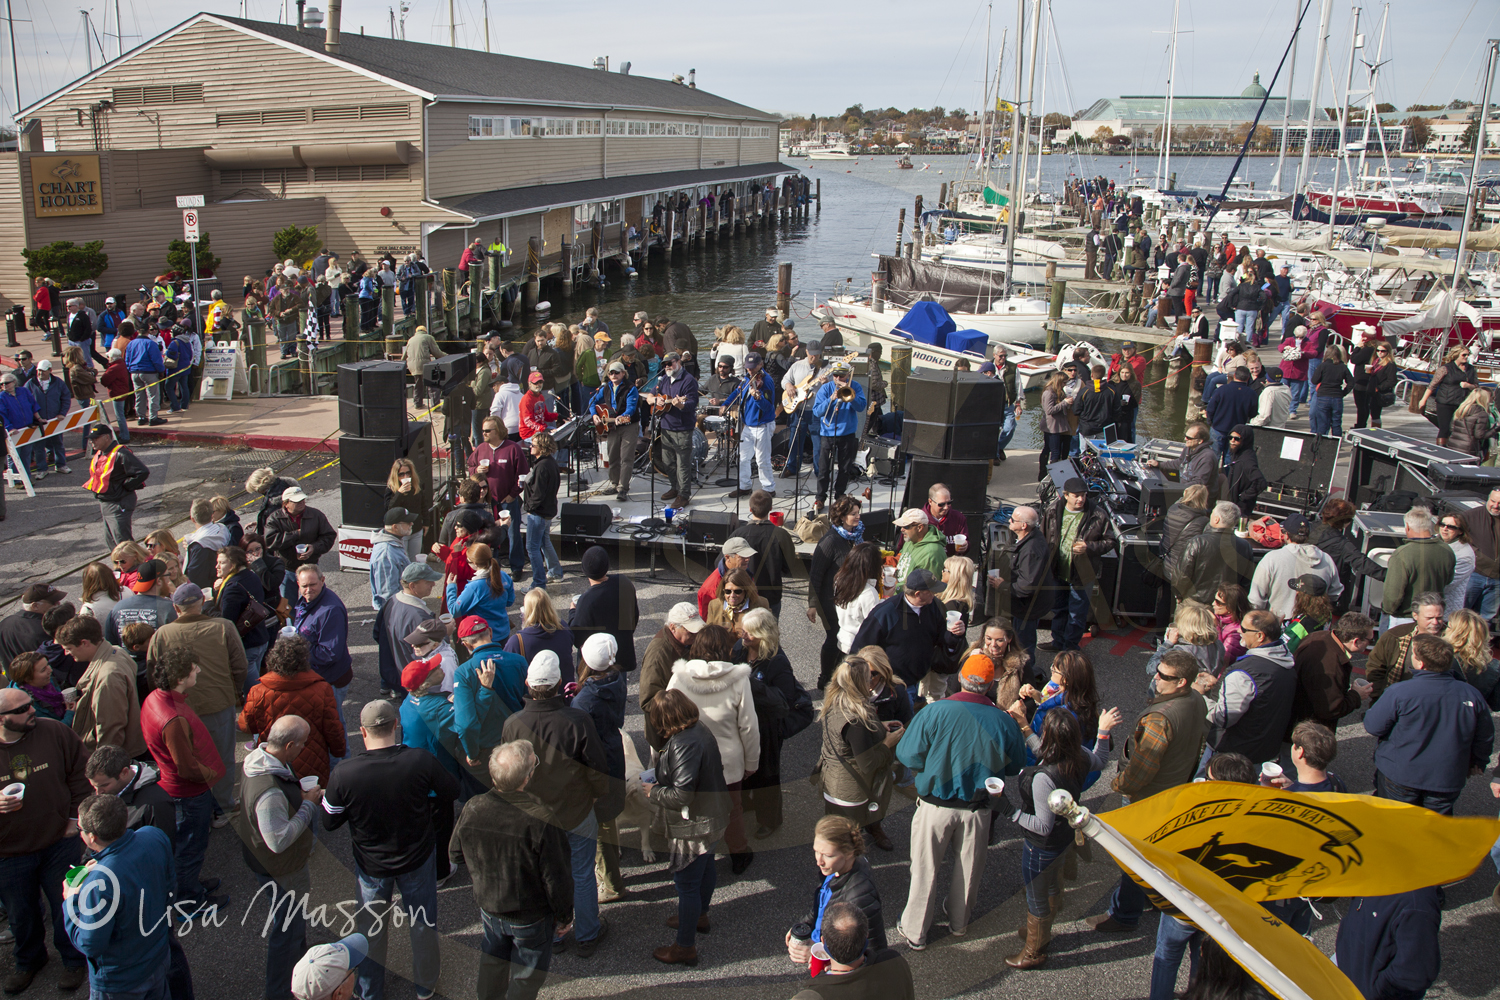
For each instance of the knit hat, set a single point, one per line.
(599, 651)
(544, 671)
(978, 667)
(595, 563)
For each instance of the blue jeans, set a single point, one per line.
(583, 842)
(1244, 321)
(1298, 389)
(1312, 369)
(1043, 880)
(539, 548)
(286, 937)
(1327, 416)
(1173, 937)
(1026, 629)
(254, 655)
(801, 425)
(513, 958)
(695, 890)
(124, 434)
(1212, 384)
(195, 816)
(49, 449)
(1483, 596)
(1218, 440)
(1008, 429)
(1438, 802)
(154, 988)
(1070, 614)
(419, 908)
(24, 878)
(517, 550)
(1279, 313)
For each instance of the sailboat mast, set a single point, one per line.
(1036, 25)
(1166, 138)
(1312, 103)
(1355, 44)
(1479, 138)
(1041, 122)
(1286, 104)
(1015, 156)
(1370, 98)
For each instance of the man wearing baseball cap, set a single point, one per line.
(569, 779)
(535, 416)
(755, 396)
(667, 647)
(677, 392)
(619, 420)
(736, 553)
(954, 745)
(912, 629)
(922, 544)
(115, 474)
(329, 971)
(487, 688)
(388, 794)
(299, 534)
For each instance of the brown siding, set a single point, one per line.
(14, 286)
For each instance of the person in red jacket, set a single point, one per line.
(534, 413)
(736, 554)
(1129, 356)
(116, 382)
(455, 556)
(289, 686)
(190, 766)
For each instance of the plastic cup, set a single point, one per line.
(820, 959)
(778, 517)
(484, 464)
(960, 540)
(888, 576)
(994, 576)
(1269, 772)
(75, 875)
(994, 786)
(954, 617)
(669, 513)
(15, 789)
(309, 783)
(447, 620)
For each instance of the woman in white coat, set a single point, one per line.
(726, 708)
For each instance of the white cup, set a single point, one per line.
(310, 782)
(889, 576)
(15, 790)
(954, 617)
(960, 540)
(994, 786)
(484, 464)
(994, 576)
(1269, 772)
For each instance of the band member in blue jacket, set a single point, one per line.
(756, 396)
(837, 406)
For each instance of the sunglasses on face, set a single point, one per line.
(1168, 677)
(733, 590)
(944, 503)
(19, 711)
(1450, 527)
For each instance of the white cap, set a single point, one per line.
(599, 651)
(44, 365)
(323, 969)
(685, 615)
(739, 547)
(544, 670)
(912, 517)
(293, 494)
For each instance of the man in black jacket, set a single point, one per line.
(469, 499)
(776, 553)
(573, 776)
(910, 627)
(1213, 559)
(387, 795)
(1078, 532)
(1246, 481)
(607, 605)
(1094, 404)
(518, 862)
(299, 534)
(115, 474)
(23, 632)
(1030, 579)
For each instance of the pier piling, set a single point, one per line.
(784, 288)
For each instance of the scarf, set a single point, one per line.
(854, 537)
(49, 696)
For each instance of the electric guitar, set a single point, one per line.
(804, 390)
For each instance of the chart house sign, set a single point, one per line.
(66, 185)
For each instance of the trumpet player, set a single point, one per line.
(837, 407)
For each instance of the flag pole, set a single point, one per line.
(1081, 818)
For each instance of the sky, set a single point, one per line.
(819, 58)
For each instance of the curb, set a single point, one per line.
(267, 442)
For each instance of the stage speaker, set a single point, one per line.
(363, 504)
(372, 399)
(383, 421)
(710, 527)
(880, 525)
(349, 416)
(419, 450)
(591, 520)
(967, 481)
(952, 415)
(1002, 549)
(977, 399)
(450, 371)
(1139, 566)
(929, 396)
(369, 459)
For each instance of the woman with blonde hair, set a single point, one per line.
(1469, 635)
(1195, 630)
(81, 379)
(838, 850)
(734, 346)
(1448, 388)
(1057, 425)
(127, 557)
(778, 701)
(1472, 427)
(404, 488)
(735, 596)
(858, 751)
(541, 628)
(100, 592)
(958, 574)
(265, 483)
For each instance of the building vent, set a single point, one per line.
(334, 175)
(364, 112)
(279, 116)
(262, 178)
(173, 93)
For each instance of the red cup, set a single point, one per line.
(819, 961)
(777, 517)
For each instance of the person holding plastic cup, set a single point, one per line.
(839, 851)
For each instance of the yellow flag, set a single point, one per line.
(1002, 105)
(1270, 844)
(1250, 926)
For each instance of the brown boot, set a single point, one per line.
(1032, 954)
(676, 954)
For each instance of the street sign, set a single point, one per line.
(190, 201)
(190, 225)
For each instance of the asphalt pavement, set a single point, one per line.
(743, 956)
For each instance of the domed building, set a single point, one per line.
(1255, 91)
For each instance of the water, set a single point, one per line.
(733, 279)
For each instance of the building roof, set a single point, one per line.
(1255, 91)
(438, 72)
(1152, 110)
(544, 197)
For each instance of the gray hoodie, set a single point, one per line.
(278, 829)
(1270, 586)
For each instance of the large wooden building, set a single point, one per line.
(383, 144)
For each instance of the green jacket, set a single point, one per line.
(586, 367)
(930, 552)
(1419, 566)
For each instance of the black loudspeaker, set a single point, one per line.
(450, 371)
(929, 396)
(880, 525)
(590, 520)
(383, 421)
(419, 450)
(710, 527)
(368, 459)
(363, 504)
(977, 400)
(349, 415)
(382, 383)
(372, 399)
(952, 415)
(967, 481)
(1140, 564)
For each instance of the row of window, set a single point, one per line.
(275, 177)
(512, 127)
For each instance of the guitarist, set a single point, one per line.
(616, 408)
(676, 399)
(806, 373)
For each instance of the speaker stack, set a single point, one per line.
(951, 430)
(375, 433)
